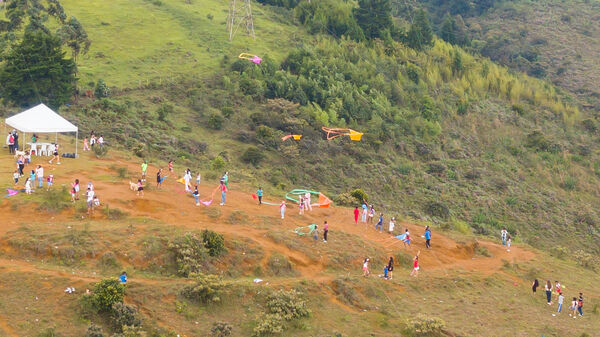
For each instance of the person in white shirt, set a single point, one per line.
(392, 224)
(39, 172)
(307, 204)
(28, 186)
(90, 201)
(101, 141)
(186, 178)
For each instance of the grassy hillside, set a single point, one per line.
(451, 140)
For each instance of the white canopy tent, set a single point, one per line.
(41, 119)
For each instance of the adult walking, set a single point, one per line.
(325, 231)
(380, 223)
(259, 194)
(390, 268)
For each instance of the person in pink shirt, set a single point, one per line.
(325, 230)
(282, 209)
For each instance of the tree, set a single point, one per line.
(448, 30)
(73, 35)
(374, 17)
(37, 71)
(420, 34)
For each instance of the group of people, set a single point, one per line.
(12, 141)
(88, 145)
(36, 174)
(91, 198)
(388, 268)
(506, 239)
(576, 307)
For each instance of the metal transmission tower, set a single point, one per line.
(240, 13)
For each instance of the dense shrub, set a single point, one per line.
(425, 326)
(438, 209)
(214, 242)
(102, 90)
(218, 163)
(221, 329)
(94, 331)
(206, 289)
(279, 265)
(191, 256)
(164, 111)
(288, 304)
(360, 195)
(253, 155)
(106, 293)
(100, 151)
(124, 315)
(215, 121)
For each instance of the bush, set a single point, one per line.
(190, 254)
(215, 121)
(586, 260)
(345, 199)
(461, 226)
(221, 329)
(131, 331)
(425, 326)
(207, 289)
(102, 90)
(55, 200)
(269, 324)
(106, 293)
(94, 331)
(279, 265)
(288, 304)
(214, 242)
(218, 163)
(124, 315)
(253, 155)
(49, 332)
(100, 151)
(164, 111)
(436, 169)
(438, 209)
(360, 195)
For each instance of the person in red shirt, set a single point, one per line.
(356, 212)
(415, 271)
(223, 192)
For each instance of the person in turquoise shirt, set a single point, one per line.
(259, 193)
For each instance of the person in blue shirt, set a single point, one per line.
(427, 237)
(364, 212)
(380, 223)
(259, 193)
(123, 278)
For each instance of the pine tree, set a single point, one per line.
(36, 71)
(420, 34)
(448, 30)
(374, 17)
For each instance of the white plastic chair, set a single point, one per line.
(51, 148)
(33, 149)
(43, 150)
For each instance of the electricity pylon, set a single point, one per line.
(240, 13)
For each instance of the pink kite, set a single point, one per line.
(11, 192)
(250, 57)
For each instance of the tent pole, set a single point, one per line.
(76, 142)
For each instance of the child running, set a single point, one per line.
(365, 268)
(415, 271)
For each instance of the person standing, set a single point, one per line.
(561, 299)
(16, 177)
(86, 146)
(557, 288)
(144, 169)
(573, 308)
(16, 140)
(301, 206)
(171, 165)
(40, 175)
(282, 208)
(325, 231)
(503, 235)
(196, 195)
(90, 201)
(580, 305)
(226, 179)
(356, 212)
(75, 187)
(392, 225)
(307, 205)
(534, 286)
(159, 178)
(198, 179)
(427, 237)
(390, 267)
(364, 212)
(508, 242)
(406, 238)
(32, 177)
(548, 288)
(186, 178)
(259, 193)
(380, 223)
(223, 193)
(49, 182)
(371, 214)
(101, 141)
(28, 186)
(10, 141)
(140, 188)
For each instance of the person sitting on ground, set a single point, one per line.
(123, 278)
